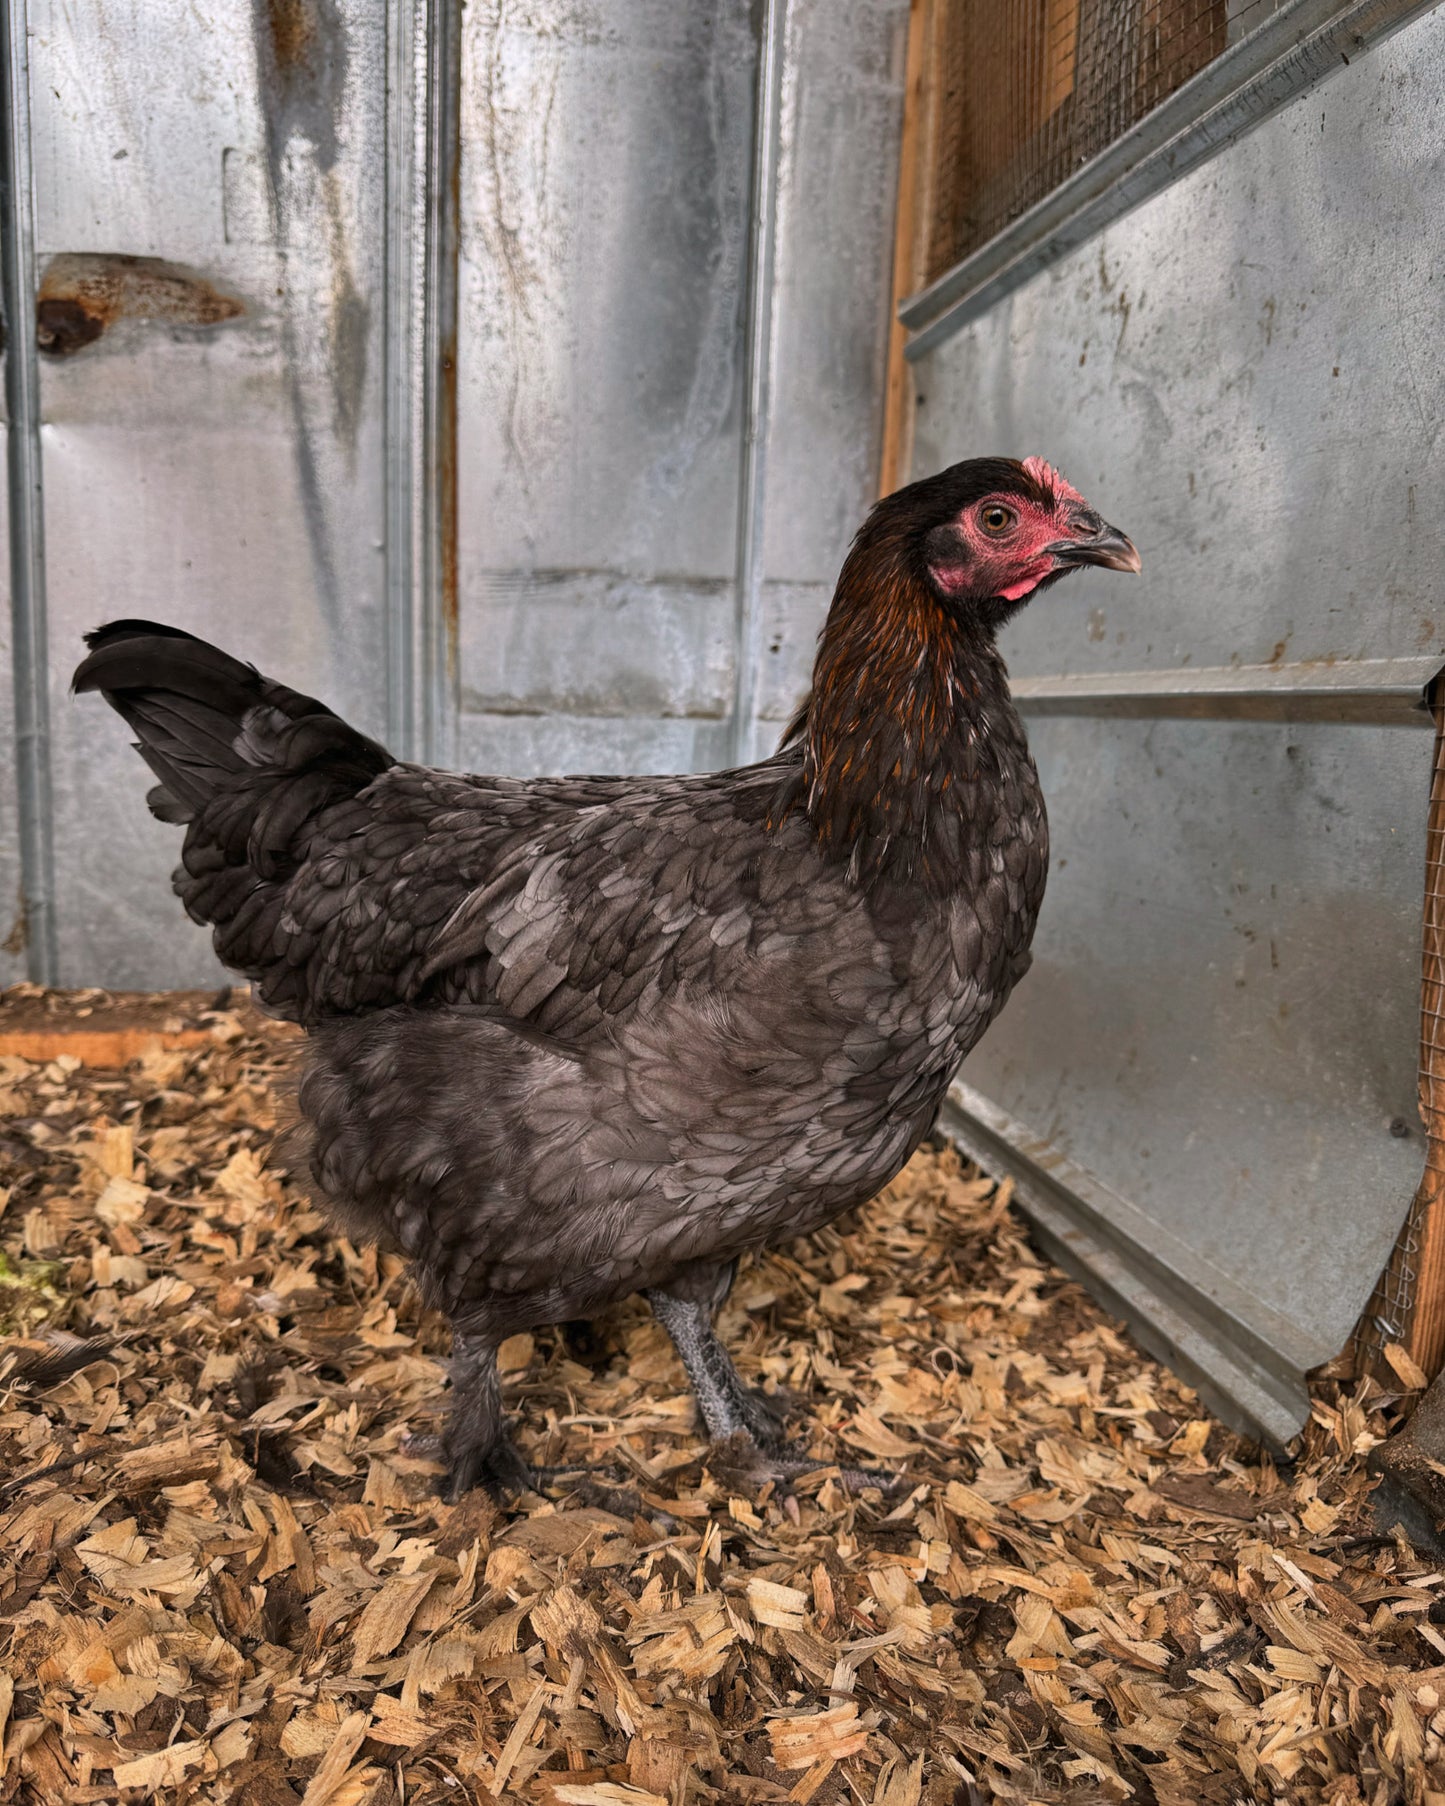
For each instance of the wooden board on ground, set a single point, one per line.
(108, 1028)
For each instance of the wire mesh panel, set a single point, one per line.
(1025, 91)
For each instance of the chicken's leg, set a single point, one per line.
(478, 1450)
(727, 1405)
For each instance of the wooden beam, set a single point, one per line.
(96, 1046)
(1426, 1340)
(897, 460)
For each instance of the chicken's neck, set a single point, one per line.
(909, 732)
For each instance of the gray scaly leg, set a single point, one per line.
(727, 1405)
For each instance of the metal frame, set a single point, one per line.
(1292, 50)
(27, 504)
(1382, 692)
(757, 373)
(423, 152)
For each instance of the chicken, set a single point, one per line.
(574, 1038)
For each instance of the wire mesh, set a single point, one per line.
(1027, 91)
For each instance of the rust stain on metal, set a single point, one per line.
(302, 55)
(447, 499)
(18, 938)
(302, 61)
(291, 25)
(83, 294)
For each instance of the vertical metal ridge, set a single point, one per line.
(400, 398)
(757, 373)
(422, 171)
(26, 499)
(439, 671)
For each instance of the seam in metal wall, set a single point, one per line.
(27, 505)
(422, 154)
(757, 373)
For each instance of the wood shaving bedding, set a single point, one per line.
(224, 1576)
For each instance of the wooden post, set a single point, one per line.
(1426, 1340)
(907, 272)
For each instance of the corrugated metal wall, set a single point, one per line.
(606, 331)
(531, 525)
(1207, 1083)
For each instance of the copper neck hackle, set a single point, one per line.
(909, 710)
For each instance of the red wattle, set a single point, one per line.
(1021, 588)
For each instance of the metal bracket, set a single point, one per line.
(1379, 692)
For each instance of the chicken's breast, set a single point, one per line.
(691, 1036)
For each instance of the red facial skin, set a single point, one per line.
(1011, 562)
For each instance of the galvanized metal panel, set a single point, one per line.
(604, 213)
(257, 410)
(1222, 1025)
(841, 121)
(605, 180)
(220, 472)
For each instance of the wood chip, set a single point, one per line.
(1202, 1495)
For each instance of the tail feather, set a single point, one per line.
(242, 761)
(203, 719)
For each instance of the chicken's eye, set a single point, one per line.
(996, 519)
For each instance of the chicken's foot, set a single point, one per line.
(476, 1446)
(736, 1415)
(792, 1462)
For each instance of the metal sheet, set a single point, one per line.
(1222, 1026)
(604, 214)
(504, 535)
(603, 401)
(222, 471)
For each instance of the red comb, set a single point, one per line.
(1044, 474)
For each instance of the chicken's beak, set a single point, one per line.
(1106, 546)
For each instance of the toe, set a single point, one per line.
(462, 1476)
(505, 1473)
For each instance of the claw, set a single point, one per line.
(500, 1469)
(419, 1447)
(743, 1456)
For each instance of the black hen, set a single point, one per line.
(574, 1038)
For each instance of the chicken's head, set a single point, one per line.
(990, 532)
